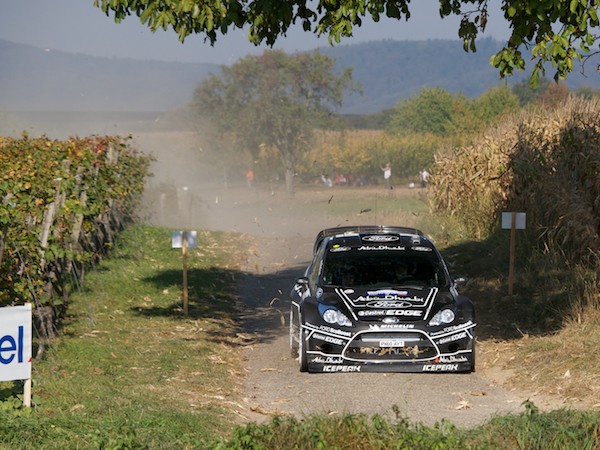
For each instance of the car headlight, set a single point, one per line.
(442, 316)
(333, 315)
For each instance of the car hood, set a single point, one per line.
(414, 303)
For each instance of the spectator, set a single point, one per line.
(387, 175)
(424, 177)
(250, 178)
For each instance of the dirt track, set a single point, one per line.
(282, 231)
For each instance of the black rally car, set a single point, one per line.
(380, 299)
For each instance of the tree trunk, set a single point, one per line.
(287, 158)
(289, 181)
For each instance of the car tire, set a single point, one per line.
(293, 334)
(473, 359)
(302, 358)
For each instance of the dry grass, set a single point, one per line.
(546, 163)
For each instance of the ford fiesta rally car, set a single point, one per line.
(380, 299)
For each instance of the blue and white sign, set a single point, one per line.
(15, 343)
(520, 219)
(177, 239)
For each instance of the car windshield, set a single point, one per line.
(358, 268)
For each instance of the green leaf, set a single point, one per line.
(573, 6)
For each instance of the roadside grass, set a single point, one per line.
(129, 369)
(545, 338)
(531, 429)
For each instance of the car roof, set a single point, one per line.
(354, 236)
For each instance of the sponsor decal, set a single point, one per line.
(390, 312)
(454, 337)
(381, 238)
(458, 327)
(329, 339)
(327, 329)
(451, 359)
(388, 304)
(328, 359)
(453, 328)
(341, 368)
(388, 293)
(398, 326)
(379, 247)
(339, 249)
(391, 295)
(419, 248)
(440, 367)
(390, 320)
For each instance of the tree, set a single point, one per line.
(495, 102)
(273, 100)
(430, 111)
(556, 31)
(526, 93)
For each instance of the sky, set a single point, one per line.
(76, 26)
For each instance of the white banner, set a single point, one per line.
(15, 342)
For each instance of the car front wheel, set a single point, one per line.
(293, 335)
(302, 358)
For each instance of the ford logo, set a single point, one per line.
(380, 238)
(389, 304)
(390, 320)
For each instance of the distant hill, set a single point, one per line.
(33, 79)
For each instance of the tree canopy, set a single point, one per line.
(273, 100)
(555, 31)
(438, 112)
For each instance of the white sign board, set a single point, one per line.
(507, 220)
(15, 342)
(177, 239)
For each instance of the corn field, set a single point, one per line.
(545, 163)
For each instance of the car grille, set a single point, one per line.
(391, 346)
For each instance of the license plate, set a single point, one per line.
(391, 343)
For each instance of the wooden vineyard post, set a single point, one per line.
(513, 221)
(184, 240)
(185, 280)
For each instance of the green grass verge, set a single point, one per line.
(130, 370)
(530, 430)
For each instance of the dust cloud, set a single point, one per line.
(185, 192)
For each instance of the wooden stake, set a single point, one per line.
(27, 393)
(185, 282)
(511, 267)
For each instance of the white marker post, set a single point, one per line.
(184, 240)
(513, 221)
(15, 347)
